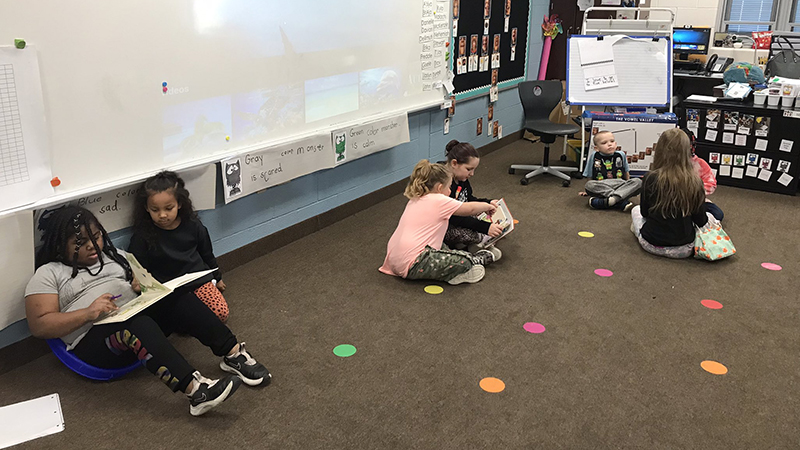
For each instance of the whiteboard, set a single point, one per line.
(239, 75)
(643, 73)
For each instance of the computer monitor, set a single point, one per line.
(690, 41)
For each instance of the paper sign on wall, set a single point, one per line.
(251, 172)
(361, 140)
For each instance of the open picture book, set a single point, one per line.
(152, 291)
(500, 216)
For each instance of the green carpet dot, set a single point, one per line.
(344, 350)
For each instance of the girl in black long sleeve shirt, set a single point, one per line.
(467, 232)
(672, 200)
(170, 241)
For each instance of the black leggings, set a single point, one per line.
(457, 237)
(144, 337)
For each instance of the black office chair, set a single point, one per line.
(538, 100)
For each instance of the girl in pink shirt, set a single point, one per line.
(415, 249)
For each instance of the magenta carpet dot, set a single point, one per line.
(533, 327)
(603, 272)
(771, 266)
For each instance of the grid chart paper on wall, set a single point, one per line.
(12, 147)
(642, 69)
(24, 146)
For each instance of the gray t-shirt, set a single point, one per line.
(79, 292)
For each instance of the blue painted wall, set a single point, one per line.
(259, 215)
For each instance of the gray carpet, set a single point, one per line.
(617, 367)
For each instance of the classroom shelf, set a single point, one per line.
(780, 128)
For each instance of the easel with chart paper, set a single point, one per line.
(642, 61)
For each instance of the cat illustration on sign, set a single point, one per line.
(233, 177)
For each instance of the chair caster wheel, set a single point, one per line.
(565, 183)
(524, 181)
(563, 157)
(511, 171)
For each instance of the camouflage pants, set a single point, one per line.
(441, 265)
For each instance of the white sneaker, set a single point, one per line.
(483, 257)
(473, 275)
(211, 393)
(496, 252)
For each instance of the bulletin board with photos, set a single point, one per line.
(489, 45)
(747, 146)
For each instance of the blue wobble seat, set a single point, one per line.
(86, 370)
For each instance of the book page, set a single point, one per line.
(152, 291)
(146, 281)
(131, 308)
(183, 279)
(501, 216)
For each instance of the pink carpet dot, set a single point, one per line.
(771, 266)
(533, 327)
(711, 304)
(603, 272)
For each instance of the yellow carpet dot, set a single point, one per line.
(433, 289)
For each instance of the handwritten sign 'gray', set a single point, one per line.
(361, 140)
(251, 172)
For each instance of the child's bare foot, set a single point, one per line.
(583, 194)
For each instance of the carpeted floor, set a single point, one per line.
(617, 367)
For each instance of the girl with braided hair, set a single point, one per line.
(80, 276)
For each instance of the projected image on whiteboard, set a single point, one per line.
(200, 124)
(331, 96)
(282, 69)
(268, 113)
(314, 26)
(377, 86)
